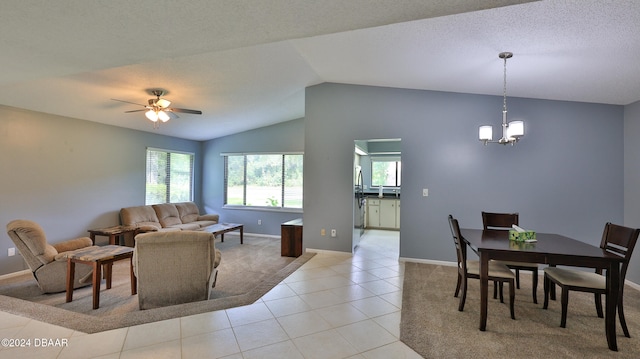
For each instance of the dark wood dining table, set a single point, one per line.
(551, 249)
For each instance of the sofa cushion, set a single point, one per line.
(167, 213)
(139, 216)
(188, 211)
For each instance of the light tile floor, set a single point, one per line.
(336, 305)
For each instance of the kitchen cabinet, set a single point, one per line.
(373, 213)
(383, 213)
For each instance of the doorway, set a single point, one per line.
(377, 183)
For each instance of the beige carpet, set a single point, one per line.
(246, 273)
(432, 325)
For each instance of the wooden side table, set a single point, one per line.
(291, 238)
(113, 233)
(97, 257)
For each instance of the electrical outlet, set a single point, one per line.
(11, 252)
(323, 232)
(334, 233)
(259, 222)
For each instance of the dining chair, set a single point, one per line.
(471, 269)
(503, 221)
(616, 239)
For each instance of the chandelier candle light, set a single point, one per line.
(511, 131)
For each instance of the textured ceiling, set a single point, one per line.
(245, 63)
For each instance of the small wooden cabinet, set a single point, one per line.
(291, 238)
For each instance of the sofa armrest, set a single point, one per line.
(209, 217)
(73, 244)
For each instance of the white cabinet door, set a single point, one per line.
(388, 213)
(373, 213)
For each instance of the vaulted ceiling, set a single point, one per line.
(246, 63)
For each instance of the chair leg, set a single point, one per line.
(458, 285)
(463, 297)
(535, 286)
(545, 284)
(623, 322)
(598, 299)
(512, 297)
(517, 278)
(565, 304)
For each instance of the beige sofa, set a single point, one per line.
(167, 217)
(174, 267)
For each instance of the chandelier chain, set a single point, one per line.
(504, 91)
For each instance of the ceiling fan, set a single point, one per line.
(158, 108)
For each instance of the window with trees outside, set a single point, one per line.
(169, 176)
(263, 180)
(386, 171)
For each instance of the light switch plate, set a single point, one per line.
(425, 192)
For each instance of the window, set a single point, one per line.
(386, 171)
(263, 180)
(169, 176)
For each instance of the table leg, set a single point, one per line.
(112, 239)
(134, 280)
(93, 238)
(241, 234)
(613, 288)
(222, 237)
(97, 267)
(71, 271)
(484, 289)
(108, 270)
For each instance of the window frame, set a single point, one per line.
(398, 170)
(281, 207)
(167, 193)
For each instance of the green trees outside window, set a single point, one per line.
(264, 180)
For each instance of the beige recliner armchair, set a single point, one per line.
(174, 267)
(47, 262)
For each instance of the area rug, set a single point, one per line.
(246, 273)
(432, 325)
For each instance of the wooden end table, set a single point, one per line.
(112, 232)
(222, 228)
(97, 257)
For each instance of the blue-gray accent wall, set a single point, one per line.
(565, 176)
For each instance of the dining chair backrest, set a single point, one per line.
(621, 241)
(499, 220)
(461, 247)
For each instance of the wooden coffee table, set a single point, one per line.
(97, 257)
(222, 228)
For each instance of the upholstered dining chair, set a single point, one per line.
(471, 269)
(503, 221)
(616, 239)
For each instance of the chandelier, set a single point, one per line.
(512, 131)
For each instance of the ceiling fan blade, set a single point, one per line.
(183, 110)
(133, 103)
(135, 111)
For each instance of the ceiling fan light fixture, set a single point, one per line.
(151, 115)
(162, 116)
(163, 103)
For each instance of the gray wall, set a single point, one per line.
(71, 175)
(632, 177)
(283, 137)
(565, 176)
